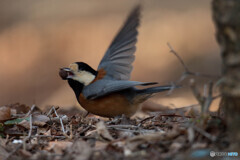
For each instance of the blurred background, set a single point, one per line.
(39, 37)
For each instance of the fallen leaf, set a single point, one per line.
(5, 113)
(25, 124)
(3, 153)
(40, 119)
(80, 150)
(175, 147)
(199, 145)
(58, 146)
(42, 130)
(100, 145)
(25, 153)
(103, 132)
(48, 133)
(15, 121)
(19, 108)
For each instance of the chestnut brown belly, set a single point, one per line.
(109, 106)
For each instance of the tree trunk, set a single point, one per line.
(226, 14)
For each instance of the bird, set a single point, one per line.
(107, 91)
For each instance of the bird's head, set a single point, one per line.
(79, 72)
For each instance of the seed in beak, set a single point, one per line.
(63, 73)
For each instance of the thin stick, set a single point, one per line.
(186, 69)
(201, 131)
(26, 138)
(29, 133)
(31, 110)
(49, 136)
(61, 122)
(205, 134)
(178, 57)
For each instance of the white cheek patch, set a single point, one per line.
(83, 77)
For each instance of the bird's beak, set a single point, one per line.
(65, 73)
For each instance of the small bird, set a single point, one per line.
(107, 91)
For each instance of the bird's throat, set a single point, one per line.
(76, 86)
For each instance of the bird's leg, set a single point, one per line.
(86, 114)
(123, 119)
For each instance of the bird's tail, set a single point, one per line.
(155, 89)
(144, 94)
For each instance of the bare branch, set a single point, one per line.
(178, 57)
(61, 122)
(187, 71)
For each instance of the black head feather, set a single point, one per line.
(85, 67)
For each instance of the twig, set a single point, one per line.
(217, 96)
(51, 111)
(123, 126)
(178, 57)
(201, 131)
(31, 110)
(61, 122)
(209, 98)
(196, 92)
(29, 133)
(144, 120)
(206, 99)
(205, 134)
(134, 131)
(26, 138)
(71, 132)
(85, 129)
(48, 136)
(187, 71)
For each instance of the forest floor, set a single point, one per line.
(29, 133)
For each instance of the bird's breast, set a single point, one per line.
(109, 106)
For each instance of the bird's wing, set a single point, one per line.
(117, 61)
(106, 86)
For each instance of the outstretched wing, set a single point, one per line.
(117, 61)
(106, 86)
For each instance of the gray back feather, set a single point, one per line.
(105, 86)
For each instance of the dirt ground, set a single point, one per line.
(29, 133)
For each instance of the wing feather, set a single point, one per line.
(117, 61)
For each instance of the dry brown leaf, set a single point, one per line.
(58, 146)
(80, 150)
(100, 145)
(25, 153)
(3, 141)
(199, 145)
(40, 119)
(41, 130)
(5, 113)
(103, 131)
(19, 108)
(175, 146)
(48, 133)
(24, 124)
(3, 153)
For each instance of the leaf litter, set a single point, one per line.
(28, 133)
